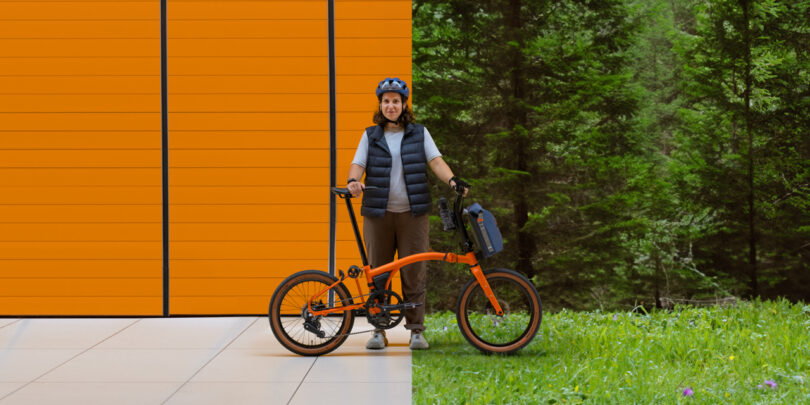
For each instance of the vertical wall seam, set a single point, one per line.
(164, 95)
(332, 134)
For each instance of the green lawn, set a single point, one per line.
(721, 354)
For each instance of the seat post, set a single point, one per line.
(357, 236)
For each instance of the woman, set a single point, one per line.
(394, 154)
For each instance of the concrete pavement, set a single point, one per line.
(190, 361)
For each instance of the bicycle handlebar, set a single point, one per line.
(460, 185)
(344, 192)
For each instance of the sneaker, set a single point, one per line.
(378, 341)
(418, 341)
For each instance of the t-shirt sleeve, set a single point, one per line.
(362, 151)
(431, 151)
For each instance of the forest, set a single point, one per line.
(634, 152)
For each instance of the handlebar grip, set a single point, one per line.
(460, 185)
(345, 193)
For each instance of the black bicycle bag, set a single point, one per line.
(484, 230)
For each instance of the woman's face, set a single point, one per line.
(391, 105)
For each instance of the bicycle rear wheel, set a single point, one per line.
(489, 332)
(289, 314)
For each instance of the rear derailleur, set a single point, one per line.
(313, 323)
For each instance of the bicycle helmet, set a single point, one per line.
(393, 85)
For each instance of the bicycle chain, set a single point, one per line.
(353, 333)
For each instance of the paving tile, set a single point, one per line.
(258, 336)
(24, 365)
(132, 365)
(179, 333)
(241, 393)
(251, 365)
(392, 364)
(7, 387)
(92, 393)
(63, 333)
(7, 321)
(354, 393)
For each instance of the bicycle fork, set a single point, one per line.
(482, 281)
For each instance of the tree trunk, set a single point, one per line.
(518, 118)
(753, 286)
(657, 279)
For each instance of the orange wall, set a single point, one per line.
(80, 183)
(249, 150)
(251, 140)
(80, 157)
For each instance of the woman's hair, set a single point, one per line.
(405, 118)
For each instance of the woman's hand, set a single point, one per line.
(355, 172)
(453, 186)
(356, 188)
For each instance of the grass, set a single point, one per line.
(721, 354)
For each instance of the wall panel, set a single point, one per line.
(249, 150)
(80, 191)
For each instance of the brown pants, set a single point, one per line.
(407, 235)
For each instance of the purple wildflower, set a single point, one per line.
(615, 317)
(688, 392)
(771, 383)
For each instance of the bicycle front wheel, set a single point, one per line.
(293, 324)
(489, 332)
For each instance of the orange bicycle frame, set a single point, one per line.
(393, 268)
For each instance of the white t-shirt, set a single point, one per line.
(398, 194)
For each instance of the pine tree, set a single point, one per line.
(748, 89)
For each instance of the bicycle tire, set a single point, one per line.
(522, 308)
(286, 314)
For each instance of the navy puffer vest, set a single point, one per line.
(378, 171)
